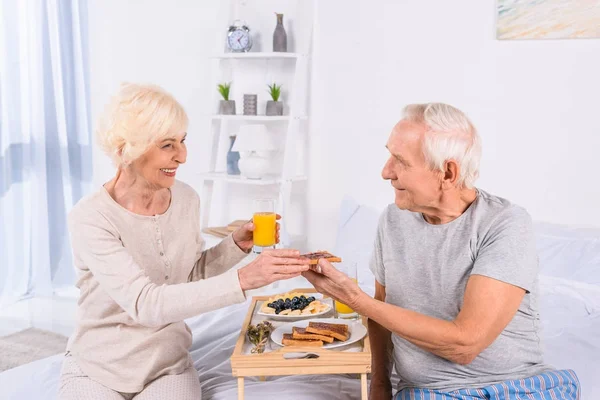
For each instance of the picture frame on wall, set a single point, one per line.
(547, 19)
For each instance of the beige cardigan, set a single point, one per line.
(139, 278)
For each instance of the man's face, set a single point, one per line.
(415, 185)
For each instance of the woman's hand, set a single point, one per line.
(271, 266)
(243, 236)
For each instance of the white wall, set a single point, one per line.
(152, 42)
(534, 102)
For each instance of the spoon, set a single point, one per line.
(300, 356)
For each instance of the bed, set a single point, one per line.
(570, 313)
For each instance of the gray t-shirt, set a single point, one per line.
(425, 268)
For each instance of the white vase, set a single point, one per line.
(254, 166)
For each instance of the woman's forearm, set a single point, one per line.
(217, 260)
(157, 305)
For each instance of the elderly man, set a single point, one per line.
(455, 305)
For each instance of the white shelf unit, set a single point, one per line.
(257, 55)
(257, 118)
(294, 124)
(266, 181)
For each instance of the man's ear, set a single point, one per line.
(451, 174)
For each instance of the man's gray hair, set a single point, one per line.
(450, 136)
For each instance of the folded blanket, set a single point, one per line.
(562, 384)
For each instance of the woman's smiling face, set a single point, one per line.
(158, 166)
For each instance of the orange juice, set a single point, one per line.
(343, 308)
(264, 229)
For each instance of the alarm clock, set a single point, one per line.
(238, 37)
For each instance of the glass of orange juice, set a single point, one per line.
(265, 224)
(342, 310)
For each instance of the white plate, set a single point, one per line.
(277, 317)
(356, 328)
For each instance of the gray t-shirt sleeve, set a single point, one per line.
(376, 264)
(507, 251)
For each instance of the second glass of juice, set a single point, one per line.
(265, 224)
(342, 310)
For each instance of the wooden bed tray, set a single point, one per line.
(272, 363)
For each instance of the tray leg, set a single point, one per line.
(363, 386)
(241, 388)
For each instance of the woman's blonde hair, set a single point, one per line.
(137, 117)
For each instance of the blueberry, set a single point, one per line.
(311, 299)
(271, 305)
(302, 297)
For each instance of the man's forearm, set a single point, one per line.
(442, 338)
(381, 354)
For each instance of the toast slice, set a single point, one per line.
(316, 256)
(288, 340)
(338, 331)
(300, 333)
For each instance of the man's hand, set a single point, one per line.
(243, 236)
(333, 283)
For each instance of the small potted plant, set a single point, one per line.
(274, 107)
(226, 106)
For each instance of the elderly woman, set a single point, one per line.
(142, 266)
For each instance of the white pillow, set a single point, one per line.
(564, 300)
(569, 252)
(355, 238)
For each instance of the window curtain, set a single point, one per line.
(45, 147)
